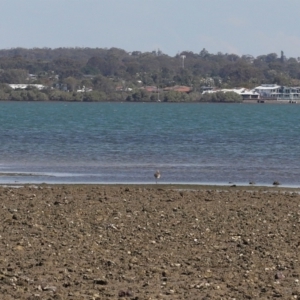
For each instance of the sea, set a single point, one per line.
(189, 143)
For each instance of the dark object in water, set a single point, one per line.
(276, 183)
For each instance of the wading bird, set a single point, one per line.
(157, 175)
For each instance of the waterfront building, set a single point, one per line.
(245, 93)
(278, 92)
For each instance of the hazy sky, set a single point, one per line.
(253, 27)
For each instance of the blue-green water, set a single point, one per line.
(127, 142)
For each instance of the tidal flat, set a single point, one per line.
(149, 242)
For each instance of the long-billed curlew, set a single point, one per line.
(157, 175)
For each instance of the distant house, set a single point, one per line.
(150, 89)
(178, 88)
(264, 91)
(245, 93)
(206, 88)
(268, 90)
(248, 94)
(288, 93)
(61, 86)
(84, 89)
(25, 86)
(120, 88)
(32, 77)
(277, 92)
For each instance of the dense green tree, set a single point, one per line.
(104, 84)
(173, 96)
(139, 96)
(221, 97)
(95, 96)
(4, 96)
(13, 76)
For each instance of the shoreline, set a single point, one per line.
(159, 186)
(245, 101)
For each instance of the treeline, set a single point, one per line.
(116, 75)
(33, 94)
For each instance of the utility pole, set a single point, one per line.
(183, 57)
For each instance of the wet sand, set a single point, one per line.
(149, 242)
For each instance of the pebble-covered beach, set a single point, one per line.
(149, 242)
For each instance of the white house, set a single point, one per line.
(25, 86)
(264, 91)
(84, 90)
(278, 92)
(268, 90)
(289, 93)
(245, 93)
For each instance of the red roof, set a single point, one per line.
(150, 88)
(178, 88)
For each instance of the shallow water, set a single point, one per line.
(127, 142)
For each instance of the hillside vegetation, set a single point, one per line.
(116, 75)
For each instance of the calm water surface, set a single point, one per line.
(127, 142)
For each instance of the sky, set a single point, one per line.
(242, 27)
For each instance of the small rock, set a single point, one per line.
(127, 293)
(208, 199)
(50, 288)
(279, 275)
(100, 281)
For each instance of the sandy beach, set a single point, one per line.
(149, 242)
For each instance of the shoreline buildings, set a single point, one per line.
(264, 92)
